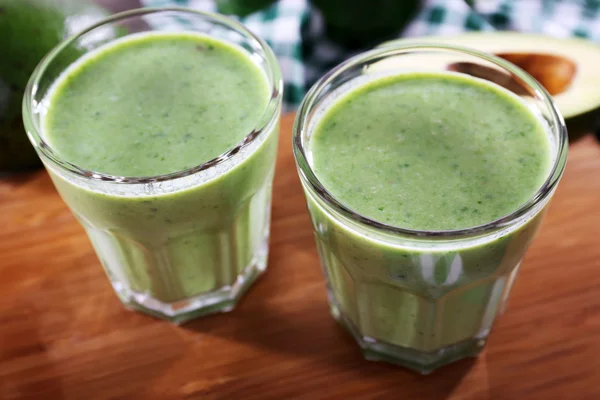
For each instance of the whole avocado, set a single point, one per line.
(358, 23)
(28, 30)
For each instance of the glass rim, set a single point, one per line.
(270, 113)
(324, 84)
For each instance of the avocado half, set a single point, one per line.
(568, 68)
(28, 30)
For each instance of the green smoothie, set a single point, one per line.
(154, 104)
(431, 152)
(425, 152)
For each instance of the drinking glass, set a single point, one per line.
(420, 299)
(210, 241)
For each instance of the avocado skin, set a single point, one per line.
(583, 124)
(358, 23)
(242, 7)
(29, 29)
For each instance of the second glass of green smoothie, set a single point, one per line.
(162, 141)
(425, 187)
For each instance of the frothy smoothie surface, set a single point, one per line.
(155, 103)
(430, 151)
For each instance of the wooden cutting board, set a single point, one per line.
(64, 334)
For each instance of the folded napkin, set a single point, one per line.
(296, 32)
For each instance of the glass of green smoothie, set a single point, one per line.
(163, 142)
(425, 187)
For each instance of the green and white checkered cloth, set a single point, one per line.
(296, 31)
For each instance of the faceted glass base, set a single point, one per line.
(221, 300)
(422, 362)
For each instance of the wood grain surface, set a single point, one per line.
(65, 335)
